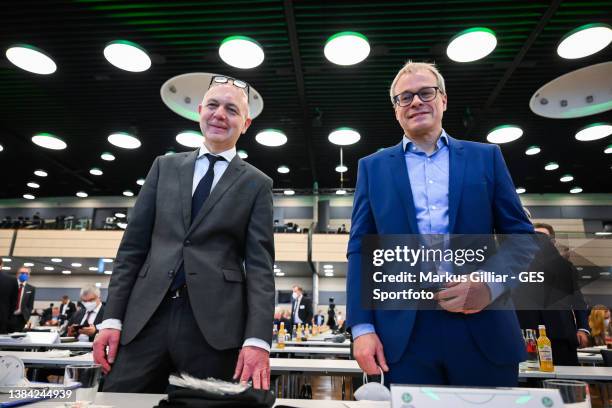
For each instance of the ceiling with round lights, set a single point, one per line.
(84, 98)
(471, 44)
(31, 59)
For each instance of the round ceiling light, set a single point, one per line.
(32, 184)
(289, 192)
(471, 44)
(594, 131)
(585, 40)
(271, 138)
(520, 190)
(56, 260)
(341, 192)
(124, 140)
(81, 194)
(120, 215)
(341, 168)
(40, 173)
(347, 48)
(31, 59)
(608, 149)
(96, 172)
(190, 138)
(551, 166)
(344, 136)
(241, 52)
(504, 134)
(107, 156)
(127, 55)
(49, 141)
(243, 154)
(576, 190)
(140, 181)
(1, 148)
(283, 169)
(66, 272)
(128, 193)
(532, 150)
(29, 197)
(566, 178)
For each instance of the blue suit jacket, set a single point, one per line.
(482, 200)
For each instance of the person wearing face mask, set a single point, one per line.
(83, 323)
(301, 307)
(599, 322)
(25, 300)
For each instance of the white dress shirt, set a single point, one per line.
(201, 167)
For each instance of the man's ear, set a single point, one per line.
(444, 101)
(200, 108)
(247, 123)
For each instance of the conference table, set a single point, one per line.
(23, 345)
(318, 343)
(301, 351)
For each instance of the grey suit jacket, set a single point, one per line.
(227, 252)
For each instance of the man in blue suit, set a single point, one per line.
(431, 183)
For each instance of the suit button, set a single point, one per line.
(187, 243)
(171, 273)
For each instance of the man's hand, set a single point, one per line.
(71, 330)
(583, 339)
(368, 351)
(465, 297)
(110, 338)
(254, 362)
(88, 330)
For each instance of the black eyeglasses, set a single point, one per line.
(221, 79)
(426, 94)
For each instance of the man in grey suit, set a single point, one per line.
(192, 289)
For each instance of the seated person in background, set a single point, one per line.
(319, 318)
(67, 307)
(83, 323)
(599, 321)
(55, 319)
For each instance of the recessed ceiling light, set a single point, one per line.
(604, 233)
(49, 268)
(7, 260)
(66, 272)
(504, 134)
(532, 150)
(56, 260)
(328, 266)
(140, 181)
(289, 192)
(566, 178)
(108, 272)
(124, 140)
(608, 149)
(347, 48)
(340, 192)
(31, 59)
(594, 131)
(28, 264)
(81, 194)
(93, 269)
(576, 190)
(551, 166)
(32, 184)
(98, 284)
(283, 169)
(471, 44)
(127, 55)
(6, 268)
(76, 265)
(120, 215)
(49, 141)
(96, 172)
(271, 137)
(243, 154)
(280, 273)
(29, 197)
(1, 148)
(520, 190)
(241, 52)
(329, 274)
(344, 136)
(107, 260)
(107, 156)
(128, 193)
(190, 138)
(585, 40)
(40, 173)
(341, 168)
(277, 270)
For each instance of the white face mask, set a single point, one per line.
(373, 391)
(607, 322)
(90, 306)
(294, 295)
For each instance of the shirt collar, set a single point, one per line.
(227, 155)
(442, 141)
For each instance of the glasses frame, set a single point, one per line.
(223, 79)
(396, 99)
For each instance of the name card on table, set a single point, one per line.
(43, 337)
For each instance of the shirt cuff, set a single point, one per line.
(110, 324)
(361, 329)
(255, 342)
(586, 331)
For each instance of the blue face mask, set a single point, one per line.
(23, 277)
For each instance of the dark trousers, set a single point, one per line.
(171, 342)
(564, 353)
(16, 323)
(441, 351)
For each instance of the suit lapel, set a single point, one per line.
(234, 170)
(399, 173)
(456, 166)
(185, 169)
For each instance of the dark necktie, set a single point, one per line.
(200, 195)
(86, 322)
